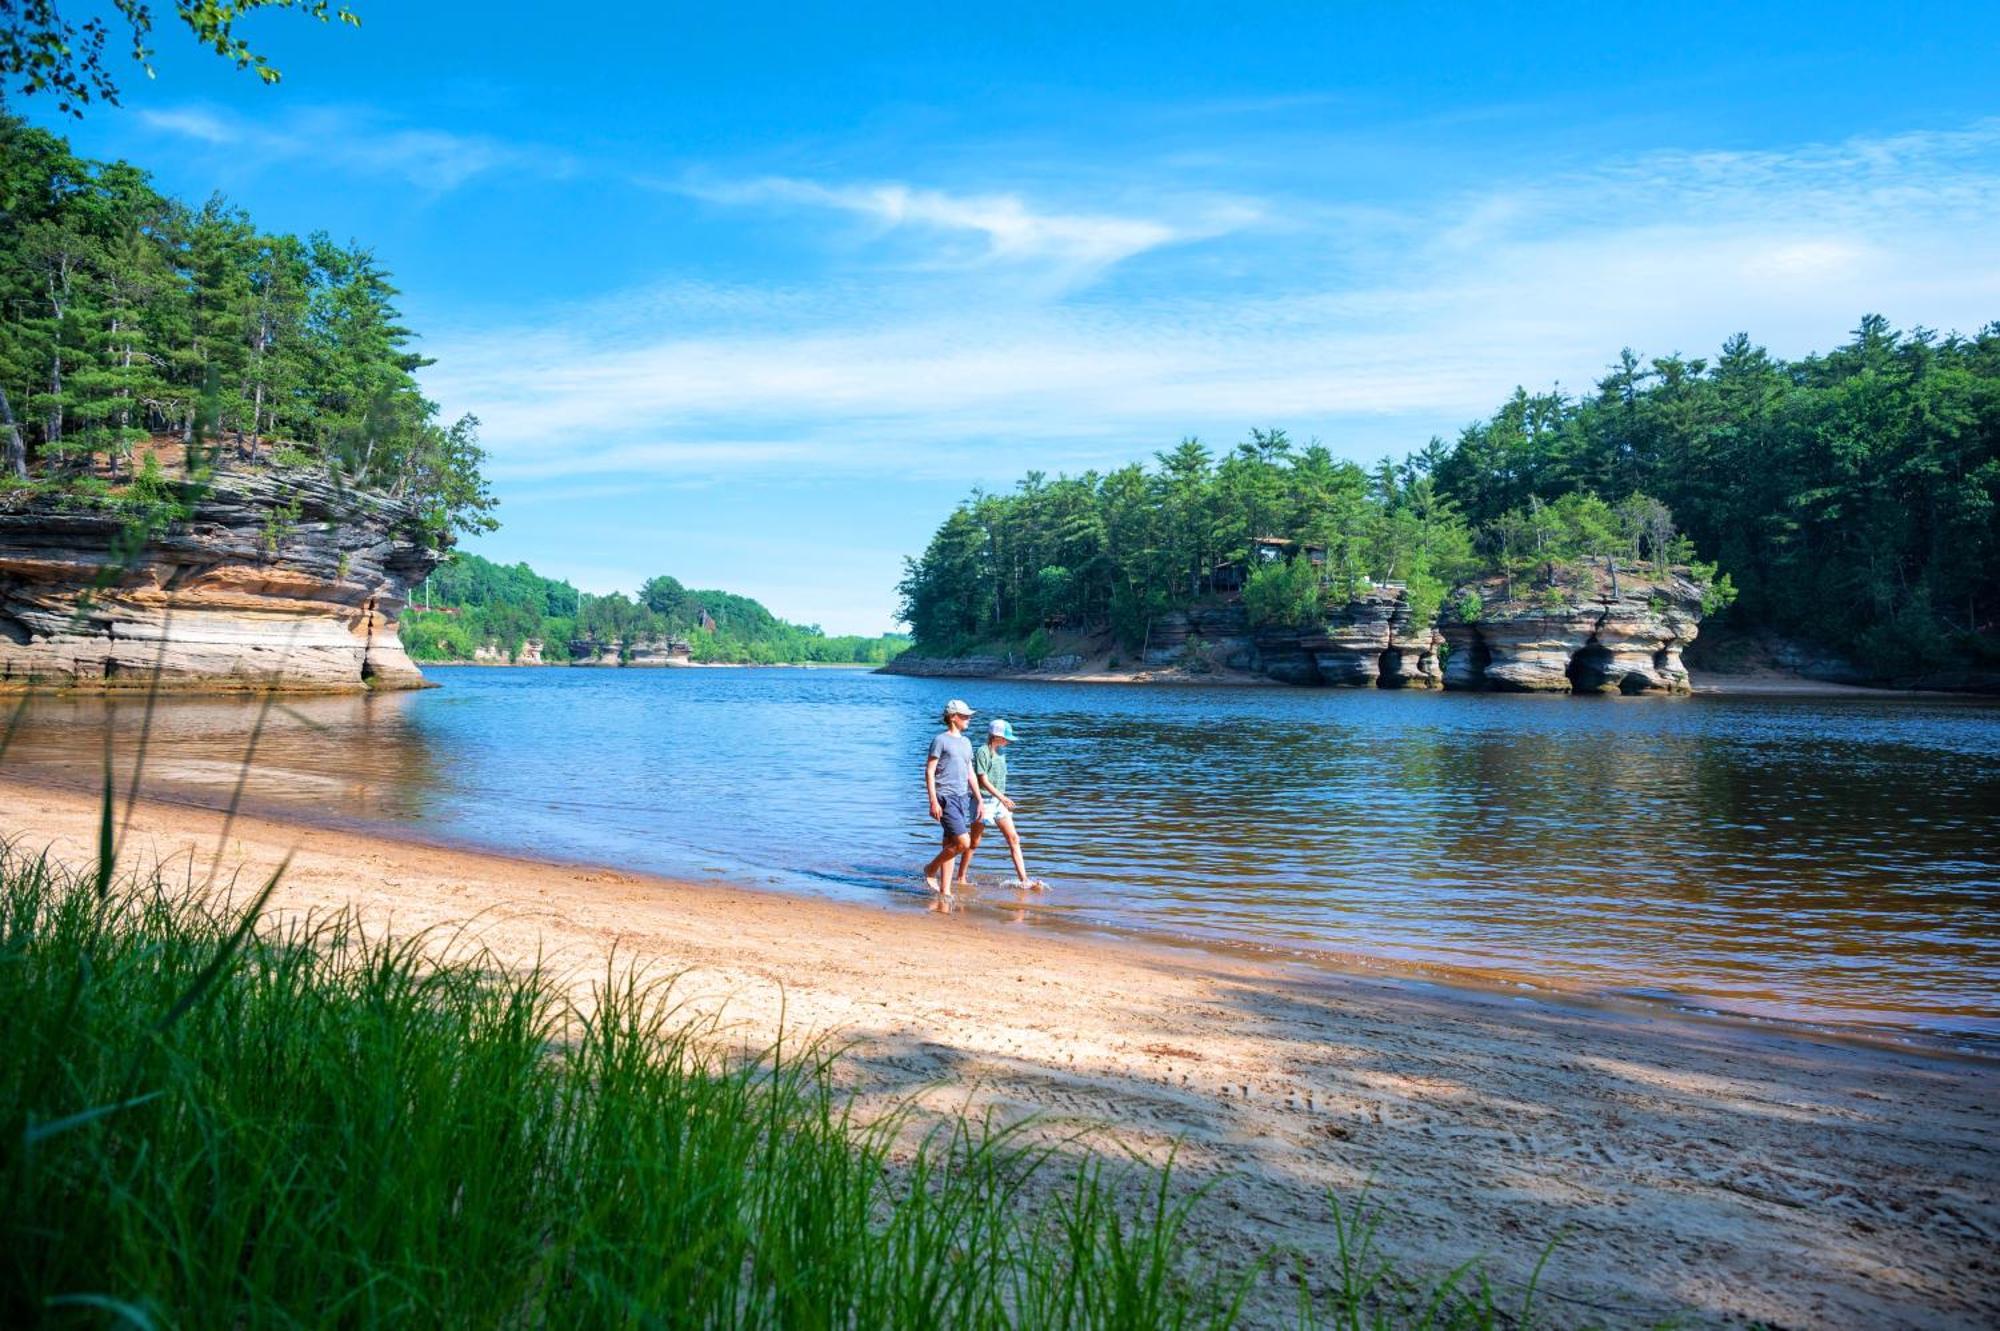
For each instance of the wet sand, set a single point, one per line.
(1714, 1171)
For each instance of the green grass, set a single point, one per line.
(205, 1124)
(325, 1130)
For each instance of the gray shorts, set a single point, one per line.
(958, 813)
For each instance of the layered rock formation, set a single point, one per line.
(1621, 634)
(493, 654)
(1367, 643)
(1595, 634)
(1370, 642)
(638, 652)
(659, 652)
(279, 578)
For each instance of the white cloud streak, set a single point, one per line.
(1008, 227)
(915, 371)
(432, 160)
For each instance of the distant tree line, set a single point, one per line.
(476, 602)
(1851, 497)
(1854, 496)
(126, 316)
(1120, 549)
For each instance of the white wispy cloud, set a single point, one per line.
(1439, 311)
(433, 160)
(1005, 227)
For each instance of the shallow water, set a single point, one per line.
(1828, 859)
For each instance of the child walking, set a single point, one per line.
(989, 772)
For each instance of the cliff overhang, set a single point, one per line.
(1604, 632)
(273, 577)
(1594, 630)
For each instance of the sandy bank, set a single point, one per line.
(1715, 1170)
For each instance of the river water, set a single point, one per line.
(1834, 860)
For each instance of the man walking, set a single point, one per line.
(954, 794)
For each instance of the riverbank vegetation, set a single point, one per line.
(128, 318)
(204, 1122)
(470, 604)
(1852, 498)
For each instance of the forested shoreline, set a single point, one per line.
(472, 603)
(1850, 498)
(130, 321)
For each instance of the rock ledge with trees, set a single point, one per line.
(269, 577)
(216, 464)
(1852, 496)
(1611, 634)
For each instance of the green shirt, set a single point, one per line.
(990, 763)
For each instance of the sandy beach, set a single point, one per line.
(1713, 1171)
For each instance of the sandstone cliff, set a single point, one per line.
(593, 652)
(658, 652)
(642, 652)
(1369, 642)
(1607, 634)
(491, 653)
(278, 577)
(1586, 636)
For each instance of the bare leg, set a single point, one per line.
(1014, 848)
(965, 860)
(936, 866)
(953, 848)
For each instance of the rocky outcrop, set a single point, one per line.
(1371, 642)
(952, 667)
(1593, 634)
(529, 653)
(1609, 634)
(1368, 642)
(277, 578)
(639, 652)
(593, 652)
(658, 652)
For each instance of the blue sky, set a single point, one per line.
(754, 297)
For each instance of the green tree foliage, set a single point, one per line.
(125, 314)
(1122, 548)
(1853, 497)
(472, 602)
(1284, 593)
(42, 52)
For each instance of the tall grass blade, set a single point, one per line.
(220, 962)
(41, 1132)
(242, 782)
(107, 845)
(14, 719)
(146, 718)
(130, 1313)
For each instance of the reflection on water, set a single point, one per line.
(1834, 859)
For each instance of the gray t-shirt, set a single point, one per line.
(954, 763)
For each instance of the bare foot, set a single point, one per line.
(931, 881)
